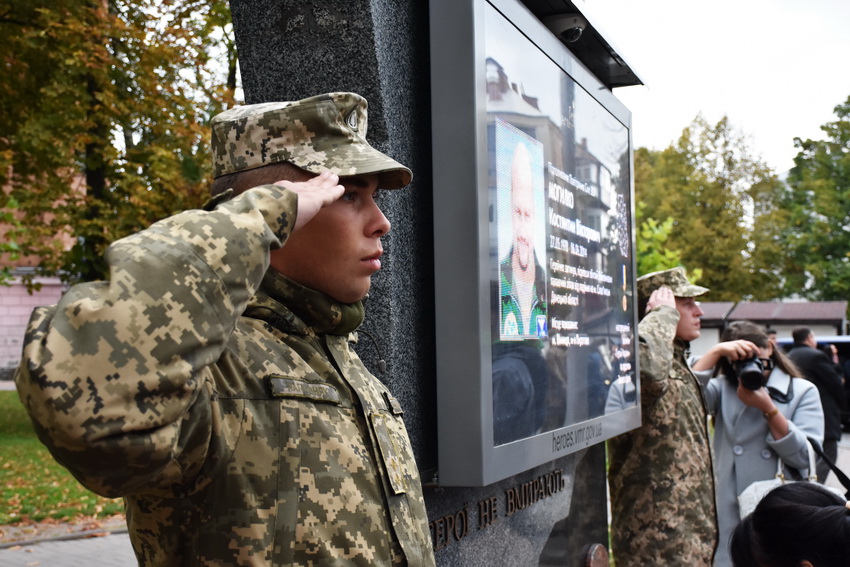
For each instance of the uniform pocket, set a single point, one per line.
(395, 450)
(282, 387)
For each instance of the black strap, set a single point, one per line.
(838, 473)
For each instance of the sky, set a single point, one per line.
(776, 68)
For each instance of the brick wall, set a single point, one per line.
(16, 305)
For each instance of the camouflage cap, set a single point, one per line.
(674, 278)
(320, 133)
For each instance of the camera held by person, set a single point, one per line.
(751, 372)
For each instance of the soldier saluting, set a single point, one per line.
(210, 381)
(661, 475)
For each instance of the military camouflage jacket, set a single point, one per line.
(255, 439)
(660, 475)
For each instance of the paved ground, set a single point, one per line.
(843, 462)
(106, 551)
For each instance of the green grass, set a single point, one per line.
(34, 487)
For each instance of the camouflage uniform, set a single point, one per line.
(661, 476)
(223, 402)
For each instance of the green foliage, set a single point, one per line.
(654, 251)
(714, 196)
(34, 487)
(818, 206)
(103, 112)
(652, 255)
(8, 244)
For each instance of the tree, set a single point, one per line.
(10, 227)
(652, 252)
(103, 110)
(652, 242)
(717, 195)
(818, 204)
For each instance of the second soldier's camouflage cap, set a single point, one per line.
(674, 278)
(321, 133)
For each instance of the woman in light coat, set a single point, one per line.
(755, 427)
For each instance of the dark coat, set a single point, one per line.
(820, 370)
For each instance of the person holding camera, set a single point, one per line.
(762, 412)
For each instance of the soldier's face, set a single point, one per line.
(689, 314)
(340, 248)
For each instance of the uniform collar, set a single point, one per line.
(292, 307)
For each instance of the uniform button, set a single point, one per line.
(766, 453)
(738, 450)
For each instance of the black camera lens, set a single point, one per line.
(750, 373)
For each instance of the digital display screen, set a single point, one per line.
(562, 313)
(534, 310)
